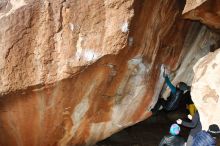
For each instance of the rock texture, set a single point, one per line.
(53, 39)
(206, 89)
(206, 11)
(73, 72)
(205, 86)
(192, 4)
(199, 42)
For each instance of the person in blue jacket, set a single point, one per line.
(172, 102)
(173, 139)
(203, 138)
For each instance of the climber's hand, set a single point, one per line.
(164, 70)
(190, 117)
(179, 121)
(164, 74)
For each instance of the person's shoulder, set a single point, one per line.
(168, 137)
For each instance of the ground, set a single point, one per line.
(148, 132)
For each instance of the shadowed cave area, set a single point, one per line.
(148, 132)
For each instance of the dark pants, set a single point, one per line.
(160, 102)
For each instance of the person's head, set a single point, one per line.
(203, 138)
(183, 86)
(214, 130)
(174, 129)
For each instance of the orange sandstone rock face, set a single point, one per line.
(206, 11)
(52, 40)
(73, 72)
(206, 89)
(192, 4)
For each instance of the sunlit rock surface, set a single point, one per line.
(74, 72)
(206, 89)
(192, 4)
(206, 11)
(46, 41)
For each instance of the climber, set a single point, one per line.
(195, 126)
(187, 100)
(176, 94)
(173, 139)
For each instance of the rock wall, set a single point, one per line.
(206, 90)
(206, 11)
(199, 42)
(52, 40)
(192, 4)
(73, 72)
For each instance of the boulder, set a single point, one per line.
(205, 11)
(73, 72)
(206, 89)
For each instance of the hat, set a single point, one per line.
(214, 130)
(174, 129)
(183, 86)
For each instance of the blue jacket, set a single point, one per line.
(173, 100)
